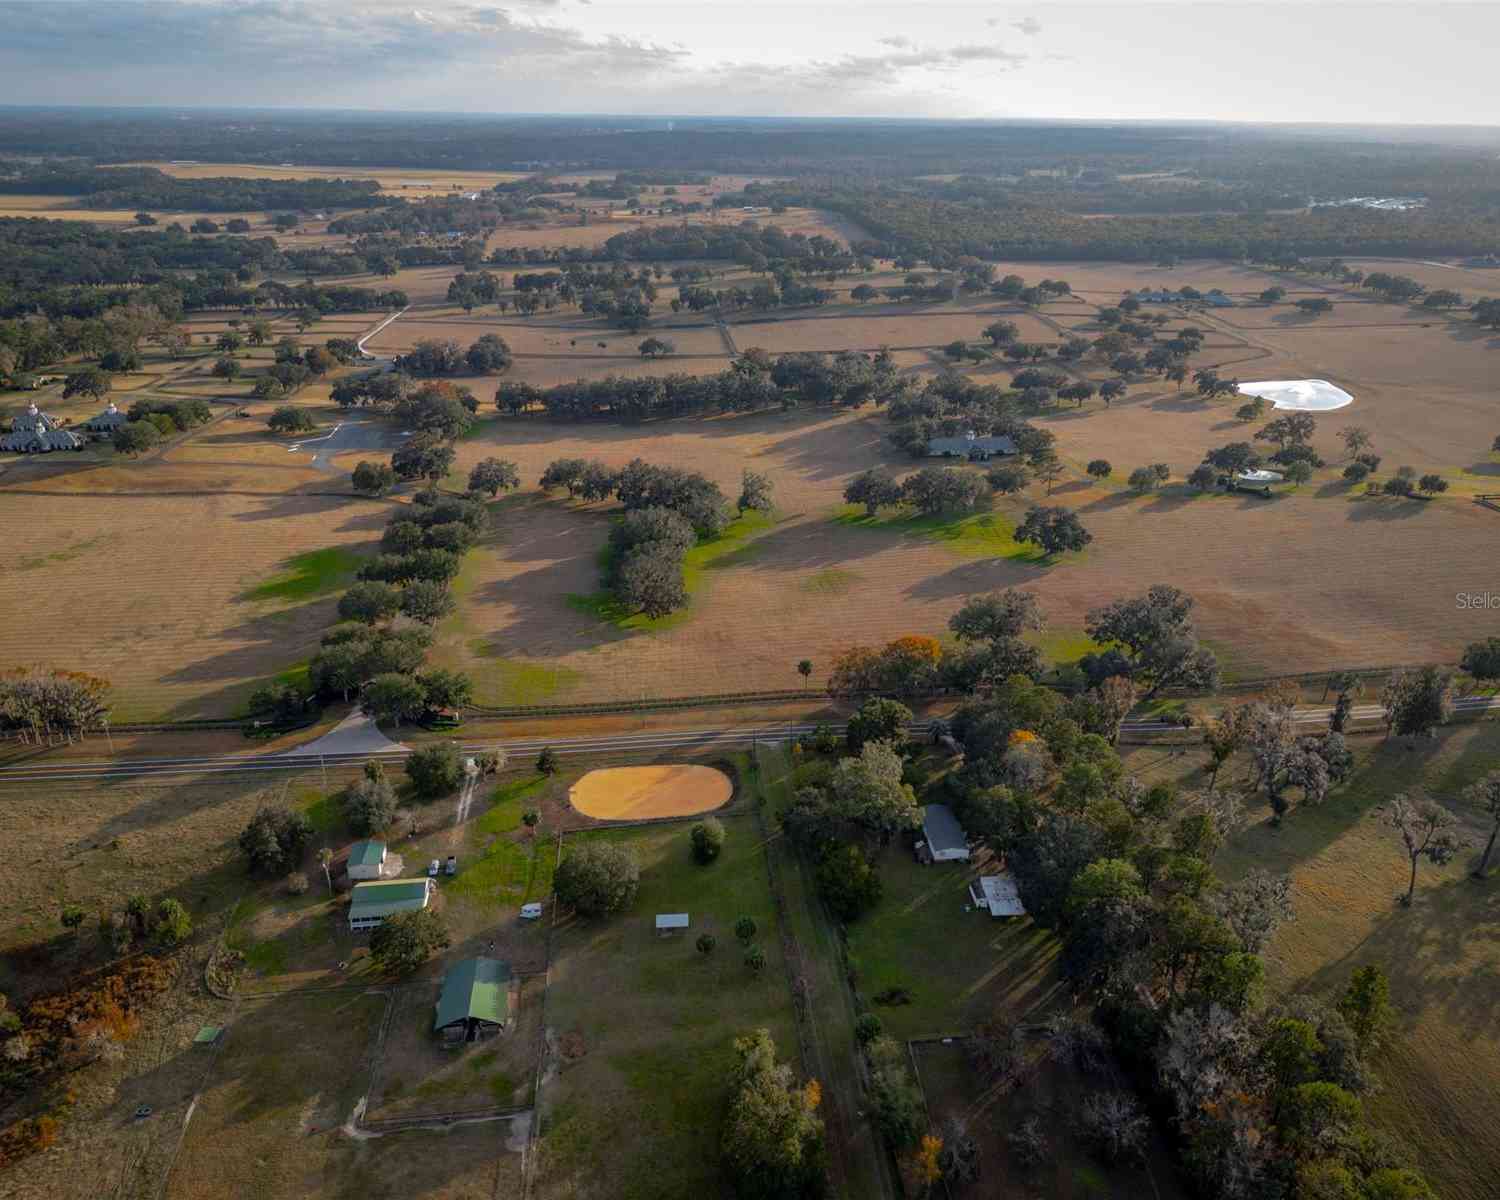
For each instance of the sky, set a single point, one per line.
(1418, 62)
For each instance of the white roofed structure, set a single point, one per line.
(998, 894)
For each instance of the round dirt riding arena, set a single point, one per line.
(643, 793)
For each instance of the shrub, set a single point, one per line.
(744, 929)
(708, 840)
(297, 884)
(755, 959)
(72, 916)
(435, 770)
(706, 943)
(173, 925)
(867, 1028)
(598, 878)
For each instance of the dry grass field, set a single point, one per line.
(1441, 1068)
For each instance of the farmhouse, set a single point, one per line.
(474, 1002)
(971, 446)
(34, 432)
(366, 860)
(106, 422)
(997, 894)
(373, 902)
(943, 835)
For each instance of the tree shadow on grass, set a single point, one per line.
(1384, 508)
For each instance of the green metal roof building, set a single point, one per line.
(373, 902)
(365, 859)
(475, 1000)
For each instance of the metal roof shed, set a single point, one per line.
(671, 922)
(945, 836)
(475, 999)
(998, 894)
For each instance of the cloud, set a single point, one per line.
(1030, 26)
(273, 38)
(898, 42)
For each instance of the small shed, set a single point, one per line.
(997, 894)
(366, 860)
(669, 923)
(372, 902)
(944, 836)
(474, 1002)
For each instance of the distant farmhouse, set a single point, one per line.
(372, 902)
(474, 1002)
(34, 432)
(107, 423)
(972, 447)
(1214, 297)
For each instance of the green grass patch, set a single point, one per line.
(971, 535)
(306, 576)
(832, 581)
(516, 681)
(66, 554)
(729, 549)
(958, 967)
(1060, 646)
(322, 809)
(508, 804)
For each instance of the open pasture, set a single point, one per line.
(870, 329)
(184, 602)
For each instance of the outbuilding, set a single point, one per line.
(371, 903)
(366, 860)
(669, 923)
(998, 895)
(474, 1002)
(944, 839)
(107, 423)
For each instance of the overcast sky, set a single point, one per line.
(1293, 60)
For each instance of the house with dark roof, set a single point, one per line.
(943, 837)
(34, 432)
(971, 447)
(474, 1002)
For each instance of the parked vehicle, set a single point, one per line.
(531, 912)
(452, 865)
(433, 868)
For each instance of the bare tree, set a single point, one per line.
(1115, 1124)
(1485, 796)
(1427, 831)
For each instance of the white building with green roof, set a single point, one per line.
(475, 1000)
(372, 902)
(366, 859)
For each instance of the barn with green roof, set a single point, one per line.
(475, 1000)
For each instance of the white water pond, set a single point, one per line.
(1301, 395)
